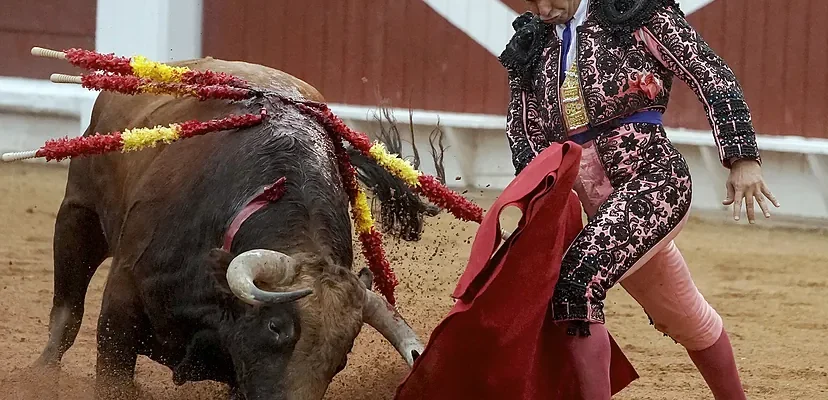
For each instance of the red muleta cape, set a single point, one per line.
(496, 342)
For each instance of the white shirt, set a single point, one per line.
(576, 21)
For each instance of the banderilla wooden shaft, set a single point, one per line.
(48, 53)
(20, 155)
(63, 78)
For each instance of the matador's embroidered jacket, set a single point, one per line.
(624, 63)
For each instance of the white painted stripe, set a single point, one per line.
(782, 144)
(425, 117)
(42, 97)
(690, 137)
(691, 6)
(489, 22)
(172, 28)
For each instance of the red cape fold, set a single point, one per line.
(496, 343)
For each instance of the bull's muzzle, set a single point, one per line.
(268, 266)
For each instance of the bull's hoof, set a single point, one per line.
(47, 361)
(45, 367)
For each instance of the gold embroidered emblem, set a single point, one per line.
(574, 110)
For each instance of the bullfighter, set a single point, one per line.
(599, 73)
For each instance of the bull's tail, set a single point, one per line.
(401, 210)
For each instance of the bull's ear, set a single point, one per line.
(217, 262)
(220, 256)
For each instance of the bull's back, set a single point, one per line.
(115, 182)
(258, 76)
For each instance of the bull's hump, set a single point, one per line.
(259, 76)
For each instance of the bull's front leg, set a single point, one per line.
(121, 328)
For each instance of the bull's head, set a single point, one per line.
(295, 324)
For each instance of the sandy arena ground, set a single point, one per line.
(769, 285)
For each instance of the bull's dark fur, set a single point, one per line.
(161, 213)
(401, 210)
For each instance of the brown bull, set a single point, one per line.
(276, 316)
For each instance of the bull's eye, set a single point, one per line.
(275, 329)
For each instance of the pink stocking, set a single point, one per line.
(718, 368)
(590, 360)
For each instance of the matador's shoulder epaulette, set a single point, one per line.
(525, 48)
(623, 17)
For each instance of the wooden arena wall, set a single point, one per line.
(353, 50)
(359, 52)
(57, 24)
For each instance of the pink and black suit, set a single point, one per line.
(603, 81)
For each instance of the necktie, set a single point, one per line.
(566, 41)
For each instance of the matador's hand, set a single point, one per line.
(745, 181)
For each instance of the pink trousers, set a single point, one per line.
(659, 280)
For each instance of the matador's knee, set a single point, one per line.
(695, 331)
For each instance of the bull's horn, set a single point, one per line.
(386, 320)
(267, 266)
